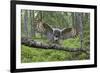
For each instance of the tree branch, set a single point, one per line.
(36, 44)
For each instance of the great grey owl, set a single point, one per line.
(56, 34)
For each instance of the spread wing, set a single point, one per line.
(48, 31)
(68, 33)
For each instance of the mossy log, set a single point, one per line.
(32, 43)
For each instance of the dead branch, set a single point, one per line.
(36, 44)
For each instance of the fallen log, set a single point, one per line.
(36, 44)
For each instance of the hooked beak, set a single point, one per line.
(55, 38)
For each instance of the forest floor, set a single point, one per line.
(30, 54)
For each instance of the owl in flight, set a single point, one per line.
(56, 34)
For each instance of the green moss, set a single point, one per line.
(71, 43)
(29, 54)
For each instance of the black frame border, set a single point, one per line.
(13, 35)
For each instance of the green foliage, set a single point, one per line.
(29, 54)
(72, 42)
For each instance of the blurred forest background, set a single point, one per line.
(57, 20)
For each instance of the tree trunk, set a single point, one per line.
(33, 24)
(79, 28)
(26, 23)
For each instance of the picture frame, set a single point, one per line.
(16, 40)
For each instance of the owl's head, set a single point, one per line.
(56, 34)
